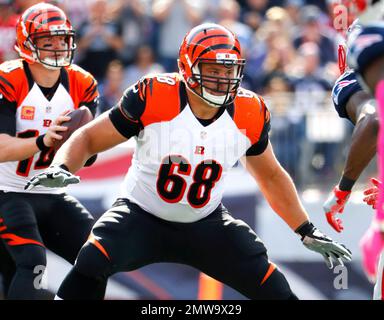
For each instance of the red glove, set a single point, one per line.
(372, 193)
(335, 204)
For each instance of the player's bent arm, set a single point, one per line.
(13, 148)
(277, 187)
(364, 137)
(16, 149)
(97, 136)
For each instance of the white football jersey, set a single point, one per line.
(179, 166)
(34, 113)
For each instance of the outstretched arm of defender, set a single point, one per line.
(364, 137)
(362, 111)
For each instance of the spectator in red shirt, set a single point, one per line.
(8, 20)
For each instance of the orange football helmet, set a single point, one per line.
(209, 44)
(41, 21)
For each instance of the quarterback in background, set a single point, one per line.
(35, 92)
(191, 128)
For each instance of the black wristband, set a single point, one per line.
(40, 143)
(305, 229)
(90, 161)
(346, 184)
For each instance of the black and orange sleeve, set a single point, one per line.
(252, 117)
(7, 116)
(91, 97)
(260, 146)
(126, 115)
(7, 89)
(82, 88)
(8, 106)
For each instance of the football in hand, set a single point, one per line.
(79, 118)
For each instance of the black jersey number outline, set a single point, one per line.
(171, 185)
(45, 159)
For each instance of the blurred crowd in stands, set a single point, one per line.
(290, 47)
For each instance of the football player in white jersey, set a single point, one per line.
(35, 92)
(191, 128)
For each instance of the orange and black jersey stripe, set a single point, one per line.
(251, 114)
(148, 101)
(162, 97)
(82, 87)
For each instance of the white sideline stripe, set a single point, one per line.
(302, 288)
(379, 287)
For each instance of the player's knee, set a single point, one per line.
(369, 119)
(276, 287)
(373, 122)
(92, 262)
(30, 257)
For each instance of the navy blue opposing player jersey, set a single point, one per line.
(366, 46)
(345, 86)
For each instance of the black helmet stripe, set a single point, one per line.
(219, 46)
(192, 36)
(32, 11)
(34, 18)
(50, 20)
(208, 37)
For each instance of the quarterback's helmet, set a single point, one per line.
(211, 45)
(43, 21)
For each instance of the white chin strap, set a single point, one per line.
(50, 63)
(214, 99)
(208, 98)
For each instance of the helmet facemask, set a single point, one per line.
(351, 34)
(218, 90)
(60, 57)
